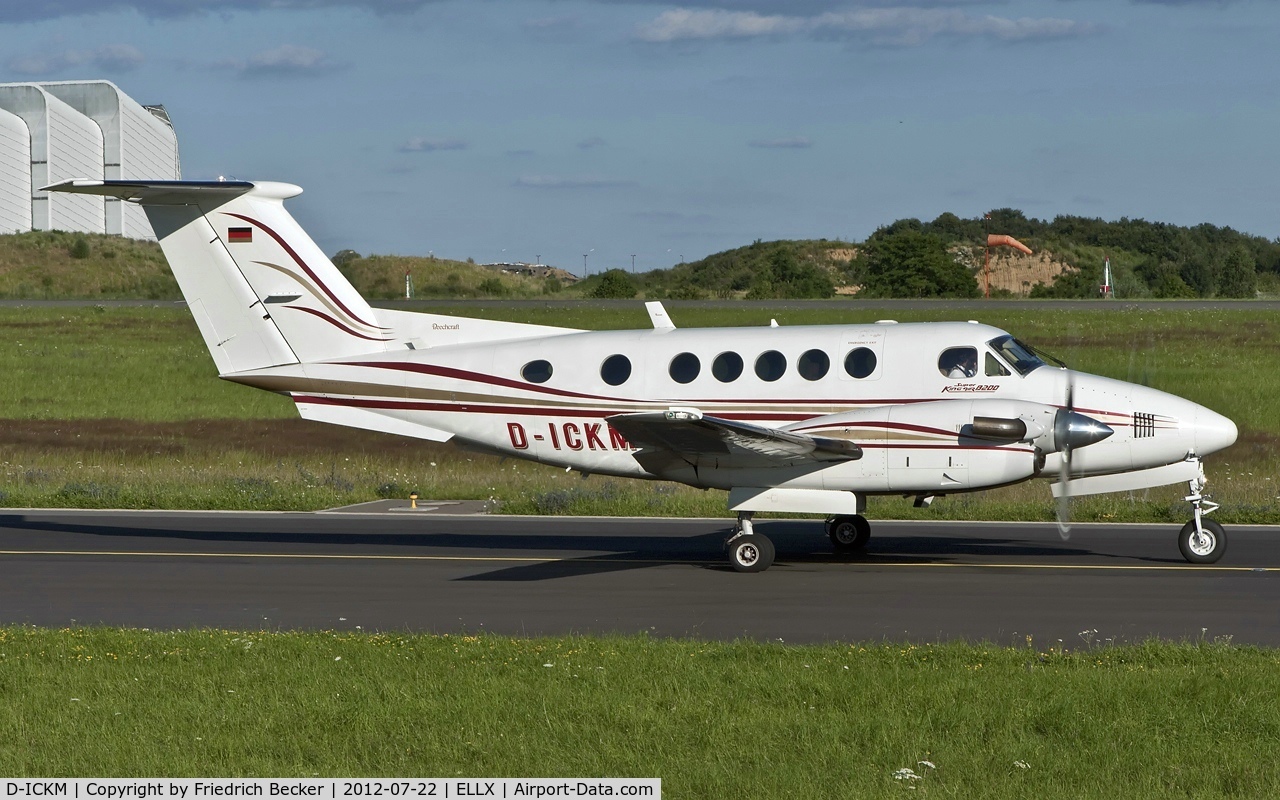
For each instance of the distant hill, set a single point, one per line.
(383, 277)
(905, 258)
(761, 270)
(1148, 260)
(50, 265)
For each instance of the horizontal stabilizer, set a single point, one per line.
(156, 192)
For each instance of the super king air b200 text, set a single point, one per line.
(793, 419)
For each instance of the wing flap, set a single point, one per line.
(702, 440)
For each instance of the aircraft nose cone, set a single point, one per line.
(1213, 431)
(1073, 429)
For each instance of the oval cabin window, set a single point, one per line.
(537, 371)
(813, 365)
(684, 368)
(727, 367)
(860, 362)
(615, 370)
(770, 365)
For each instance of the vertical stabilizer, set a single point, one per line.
(262, 292)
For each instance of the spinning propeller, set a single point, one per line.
(1072, 430)
(1064, 471)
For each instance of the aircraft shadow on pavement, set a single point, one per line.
(561, 555)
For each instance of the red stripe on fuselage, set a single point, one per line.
(898, 426)
(403, 405)
(533, 411)
(494, 380)
(478, 377)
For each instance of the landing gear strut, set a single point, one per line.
(848, 533)
(1202, 541)
(749, 551)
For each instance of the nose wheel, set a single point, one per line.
(749, 551)
(1202, 540)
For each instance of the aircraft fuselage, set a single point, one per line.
(882, 386)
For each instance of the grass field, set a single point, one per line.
(712, 720)
(121, 407)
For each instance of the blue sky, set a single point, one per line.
(503, 130)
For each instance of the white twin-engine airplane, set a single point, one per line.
(793, 419)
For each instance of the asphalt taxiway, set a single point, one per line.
(919, 582)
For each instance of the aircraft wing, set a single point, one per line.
(689, 436)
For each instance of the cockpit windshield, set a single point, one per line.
(1020, 356)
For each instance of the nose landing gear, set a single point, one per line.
(1202, 541)
(749, 551)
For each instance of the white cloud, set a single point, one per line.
(108, 58)
(419, 144)
(913, 26)
(287, 60)
(685, 23)
(884, 26)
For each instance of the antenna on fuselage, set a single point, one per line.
(658, 316)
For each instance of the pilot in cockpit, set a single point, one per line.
(966, 365)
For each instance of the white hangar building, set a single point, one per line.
(52, 132)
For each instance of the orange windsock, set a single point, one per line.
(1000, 240)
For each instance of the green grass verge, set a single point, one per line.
(49, 265)
(711, 719)
(126, 363)
(146, 373)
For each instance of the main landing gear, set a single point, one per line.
(1202, 541)
(848, 533)
(753, 552)
(749, 551)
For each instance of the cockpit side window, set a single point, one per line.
(1016, 354)
(958, 362)
(994, 367)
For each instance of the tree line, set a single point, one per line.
(942, 258)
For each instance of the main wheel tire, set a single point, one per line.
(1202, 547)
(849, 533)
(751, 552)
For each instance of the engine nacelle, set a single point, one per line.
(943, 446)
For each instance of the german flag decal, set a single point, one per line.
(239, 234)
